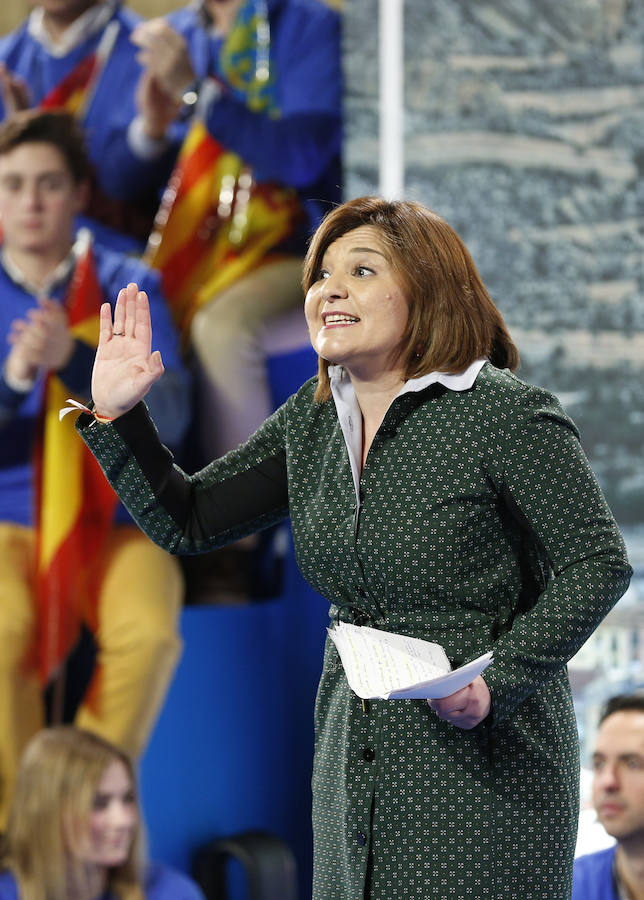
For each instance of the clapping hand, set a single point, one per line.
(157, 107)
(124, 368)
(163, 52)
(14, 91)
(167, 72)
(40, 342)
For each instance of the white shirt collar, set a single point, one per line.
(462, 381)
(350, 416)
(89, 23)
(60, 274)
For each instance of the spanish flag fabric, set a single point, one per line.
(215, 224)
(75, 91)
(70, 93)
(75, 504)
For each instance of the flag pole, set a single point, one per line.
(391, 92)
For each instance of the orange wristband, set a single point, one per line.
(104, 420)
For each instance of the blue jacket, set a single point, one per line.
(301, 146)
(170, 396)
(111, 109)
(592, 877)
(161, 883)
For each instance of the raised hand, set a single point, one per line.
(124, 368)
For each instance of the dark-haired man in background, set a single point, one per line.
(618, 796)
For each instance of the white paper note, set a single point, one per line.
(382, 664)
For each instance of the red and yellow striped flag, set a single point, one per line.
(75, 504)
(70, 93)
(215, 223)
(76, 89)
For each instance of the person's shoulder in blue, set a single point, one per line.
(8, 887)
(161, 883)
(47, 60)
(593, 877)
(286, 125)
(165, 883)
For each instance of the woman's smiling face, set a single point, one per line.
(113, 819)
(356, 310)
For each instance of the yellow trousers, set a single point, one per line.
(137, 643)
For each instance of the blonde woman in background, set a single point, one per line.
(75, 830)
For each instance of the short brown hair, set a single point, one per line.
(622, 703)
(52, 126)
(452, 318)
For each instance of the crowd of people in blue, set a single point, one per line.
(95, 115)
(196, 158)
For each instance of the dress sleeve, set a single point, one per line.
(549, 487)
(243, 492)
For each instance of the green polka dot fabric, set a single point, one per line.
(481, 527)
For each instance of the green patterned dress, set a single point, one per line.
(476, 523)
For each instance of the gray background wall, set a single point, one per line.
(525, 130)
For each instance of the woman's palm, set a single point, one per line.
(124, 368)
